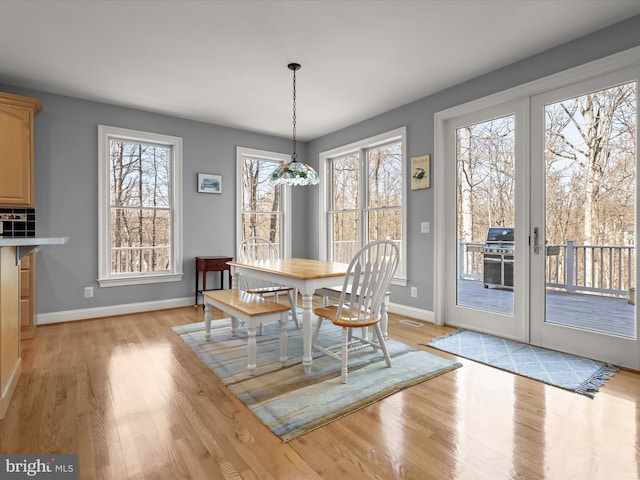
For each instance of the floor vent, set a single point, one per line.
(411, 323)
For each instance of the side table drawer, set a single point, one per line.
(216, 265)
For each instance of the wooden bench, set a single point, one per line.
(252, 310)
(335, 292)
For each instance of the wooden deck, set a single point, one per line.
(590, 312)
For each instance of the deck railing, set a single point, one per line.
(344, 250)
(602, 269)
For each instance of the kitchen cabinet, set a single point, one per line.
(16, 150)
(17, 184)
(27, 296)
(12, 252)
(10, 360)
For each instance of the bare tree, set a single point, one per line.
(486, 177)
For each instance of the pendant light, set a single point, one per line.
(294, 172)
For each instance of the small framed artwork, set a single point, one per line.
(208, 183)
(420, 172)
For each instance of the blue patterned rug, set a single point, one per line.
(291, 403)
(577, 374)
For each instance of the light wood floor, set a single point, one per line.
(127, 396)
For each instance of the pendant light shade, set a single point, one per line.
(294, 172)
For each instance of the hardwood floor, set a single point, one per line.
(127, 396)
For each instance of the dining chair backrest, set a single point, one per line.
(256, 249)
(369, 274)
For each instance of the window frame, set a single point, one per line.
(105, 277)
(285, 196)
(360, 148)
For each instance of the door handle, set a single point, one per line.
(536, 241)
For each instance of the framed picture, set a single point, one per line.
(208, 183)
(420, 172)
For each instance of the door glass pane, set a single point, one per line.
(590, 170)
(485, 214)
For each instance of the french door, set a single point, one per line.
(487, 185)
(559, 168)
(583, 218)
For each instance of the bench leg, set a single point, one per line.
(251, 349)
(284, 337)
(207, 321)
(234, 326)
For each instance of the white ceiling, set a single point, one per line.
(225, 62)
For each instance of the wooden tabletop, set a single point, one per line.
(302, 268)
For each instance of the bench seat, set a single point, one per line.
(252, 310)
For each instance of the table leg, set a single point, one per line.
(196, 302)
(251, 348)
(307, 332)
(284, 319)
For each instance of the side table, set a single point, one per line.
(211, 264)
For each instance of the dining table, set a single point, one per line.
(304, 274)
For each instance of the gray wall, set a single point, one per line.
(66, 136)
(66, 178)
(418, 118)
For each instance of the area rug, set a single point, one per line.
(577, 374)
(291, 403)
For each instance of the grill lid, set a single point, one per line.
(500, 235)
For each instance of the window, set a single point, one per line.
(363, 197)
(139, 207)
(263, 208)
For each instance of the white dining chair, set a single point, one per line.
(256, 249)
(369, 274)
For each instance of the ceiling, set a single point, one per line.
(225, 62)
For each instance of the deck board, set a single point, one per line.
(591, 312)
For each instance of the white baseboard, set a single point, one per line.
(417, 313)
(97, 312)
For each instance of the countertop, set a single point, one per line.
(31, 241)
(26, 245)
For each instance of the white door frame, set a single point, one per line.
(510, 326)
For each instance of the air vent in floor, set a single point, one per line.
(411, 323)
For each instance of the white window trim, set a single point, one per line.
(105, 277)
(285, 233)
(399, 134)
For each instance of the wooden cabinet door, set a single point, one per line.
(15, 154)
(16, 149)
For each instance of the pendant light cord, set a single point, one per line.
(294, 155)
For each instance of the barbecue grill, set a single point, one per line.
(497, 257)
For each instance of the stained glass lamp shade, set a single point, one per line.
(294, 172)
